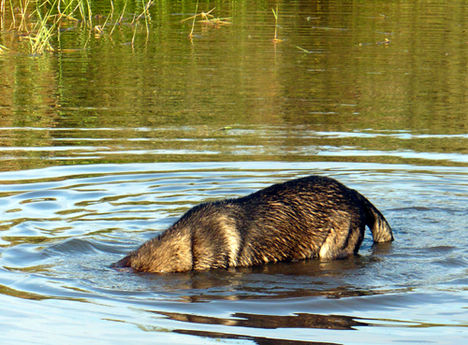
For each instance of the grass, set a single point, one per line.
(206, 18)
(39, 22)
(35, 26)
(275, 14)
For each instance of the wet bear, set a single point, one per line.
(310, 217)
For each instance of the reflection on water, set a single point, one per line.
(104, 147)
(256, 340)
(300, 320)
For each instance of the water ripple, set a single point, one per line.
(63, 227)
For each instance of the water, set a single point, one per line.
(103, 147)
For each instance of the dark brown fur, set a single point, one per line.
(311, 217)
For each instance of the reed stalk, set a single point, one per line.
(118, 21)
(193, 21)
(206, 18)
(275, 14)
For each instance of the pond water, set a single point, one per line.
(103, 144)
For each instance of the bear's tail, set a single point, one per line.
(381, 230)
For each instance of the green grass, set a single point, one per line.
(38, 23)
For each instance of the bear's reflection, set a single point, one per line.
(256, 339)
(299, 320)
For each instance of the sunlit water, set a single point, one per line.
(104, 147)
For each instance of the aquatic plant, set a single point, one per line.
(39, 23)
(206, 18)
(275, 14)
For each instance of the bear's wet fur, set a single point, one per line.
(310, 217)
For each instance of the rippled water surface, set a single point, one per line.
(103, 147)
(63, 226)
